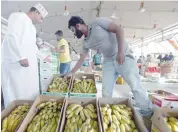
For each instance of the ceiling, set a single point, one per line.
(136, 25)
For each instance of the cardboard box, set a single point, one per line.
(33, 111)
(86, 69)
(79, 76)
(57, 93)
(158, 122)
(137, 119)
(83, 102)
(12, 106)
(159, 101)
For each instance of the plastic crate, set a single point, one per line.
(45, 92)
(55, 94)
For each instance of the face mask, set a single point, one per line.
(78, 33)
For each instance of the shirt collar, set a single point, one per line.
(89, 31)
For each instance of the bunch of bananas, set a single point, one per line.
(117, 118)
(84, 86)
(59, 85)
(47, 118)
(10, 123)
(172, 123)
(82, 119)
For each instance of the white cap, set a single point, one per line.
(41, 9)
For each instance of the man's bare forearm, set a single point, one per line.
(79, 63)
(77, 66)
(120, 39)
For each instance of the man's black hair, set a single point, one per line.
(59, 33)
(33, 9)
(74, 20)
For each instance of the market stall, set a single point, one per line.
(75, 103)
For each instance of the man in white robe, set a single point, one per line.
(19, 56)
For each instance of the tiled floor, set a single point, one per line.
(123, 90)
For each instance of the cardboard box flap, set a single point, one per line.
(33, 111)
(82, 101)
(136, 117)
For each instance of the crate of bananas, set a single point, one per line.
(81, 115)
(58, 86)
(165, 120)
(13, 115)
(44, 116)
(83, 86)
(172, 123)
(117, 116)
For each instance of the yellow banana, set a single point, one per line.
(82, 115)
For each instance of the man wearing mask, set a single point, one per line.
(19, 56)
(64, 53)
(107, 37)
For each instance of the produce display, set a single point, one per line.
(59, 84)
(12, 121)
(117, 118)
(172, 123)
(81, 119)
(47, 117)
(84, 86)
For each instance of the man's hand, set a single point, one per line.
(48, 59)
(24, 63)
(120, 58)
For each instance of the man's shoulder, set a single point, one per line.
(63, 42)
(18, 14)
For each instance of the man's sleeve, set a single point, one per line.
(103, 22)
(62, 43)
(84, 49)
(14, 37)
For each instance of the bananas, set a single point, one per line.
(81, 119)
(117, 118)
(84, 86)
(59, 85)
(47, 118)
(11, 122)
(172, 123)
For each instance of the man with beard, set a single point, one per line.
(107, 37)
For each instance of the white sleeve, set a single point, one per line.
(14, 37)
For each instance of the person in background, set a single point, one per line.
(170, 57)
(106, 36)
(148, 59)
(160, 57)
(166, 57)
(64, 53)
(97, 59)
(140, 59)
(20, 80)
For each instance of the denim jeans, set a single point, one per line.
(65, 68)
(130, 73)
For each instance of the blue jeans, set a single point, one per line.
(130, 73)
(65, 68)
